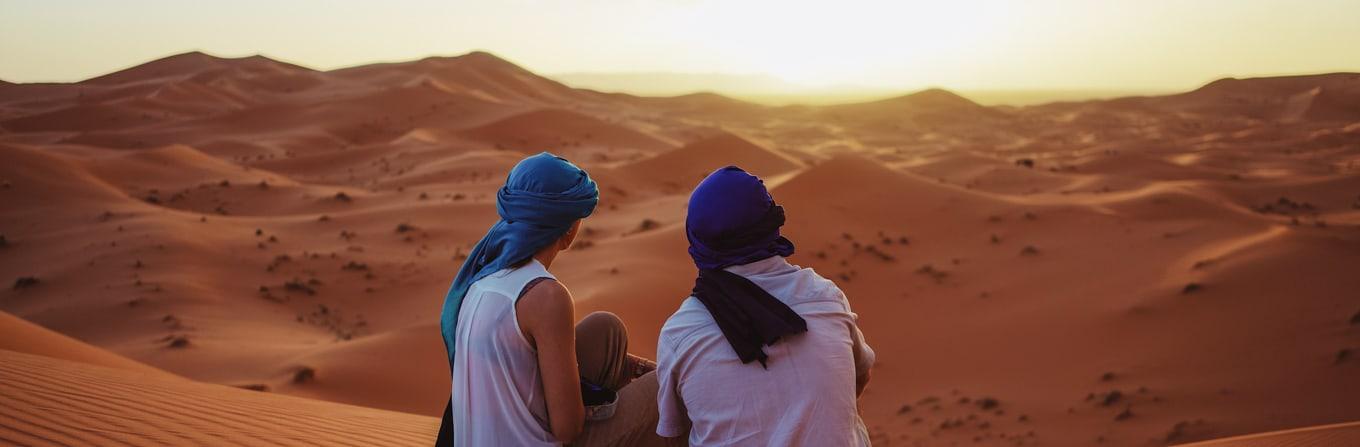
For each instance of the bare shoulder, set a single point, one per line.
(543, 301)
(547, 291)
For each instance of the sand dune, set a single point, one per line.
(572, 133)
(712, 105)
(621, 276)
(23, 337)
(192, 64)
(410, 389)
(992, 175)
(1331, 97)
(1133, 271)
(386, 114)
(927, 111)
(1326, 435)
(478, 73)
(681, 169)
(926, 101)
(50, 402)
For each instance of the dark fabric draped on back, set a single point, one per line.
(749, 317)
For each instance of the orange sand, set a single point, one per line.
(56, 402)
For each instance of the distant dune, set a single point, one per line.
(771, 90)
(683, 168)
(563, 131)
(1141, 270)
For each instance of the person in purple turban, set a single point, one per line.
(764, 352)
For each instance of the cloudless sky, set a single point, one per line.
(968, 44)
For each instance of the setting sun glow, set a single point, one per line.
(966, 44)
(818, 45)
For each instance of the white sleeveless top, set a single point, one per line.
(497, 390)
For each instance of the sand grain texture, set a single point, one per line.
(1327, 435)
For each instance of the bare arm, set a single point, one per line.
(547, 318)
(637, 366)
(864, 360)
(861, 382)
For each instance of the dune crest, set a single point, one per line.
(680, 169)
(1334, 434)
(24, 337)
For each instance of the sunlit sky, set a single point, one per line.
(967, 44)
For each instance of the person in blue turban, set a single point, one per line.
(763, 352)
(522, 371)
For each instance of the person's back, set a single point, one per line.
(763, 353)
(805, 396)
(497, 376)
(521, 366)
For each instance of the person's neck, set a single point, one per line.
(546, 257)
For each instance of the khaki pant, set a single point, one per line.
(602, 353)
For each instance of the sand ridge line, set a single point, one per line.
(1341, 434)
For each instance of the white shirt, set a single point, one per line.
(805, 398)
(497, 390)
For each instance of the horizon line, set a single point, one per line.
(826, 93)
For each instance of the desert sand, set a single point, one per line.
(56, 402)
(1326, 435)
(210, 240)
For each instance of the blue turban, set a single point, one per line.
(733, 220)
(542, 197)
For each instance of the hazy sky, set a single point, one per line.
(964, 44)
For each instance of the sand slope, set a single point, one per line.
(49, 402)
(1327, 435)
(24, 337)
(682, 168)
(564, 131)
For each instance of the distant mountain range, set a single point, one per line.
(774, 90)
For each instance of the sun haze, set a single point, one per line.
(969, 44)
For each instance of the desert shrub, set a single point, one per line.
(25, 282)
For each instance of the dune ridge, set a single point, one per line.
(27, 338)
(1334, 434)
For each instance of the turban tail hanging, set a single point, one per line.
(542, 197)
(732, 220)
